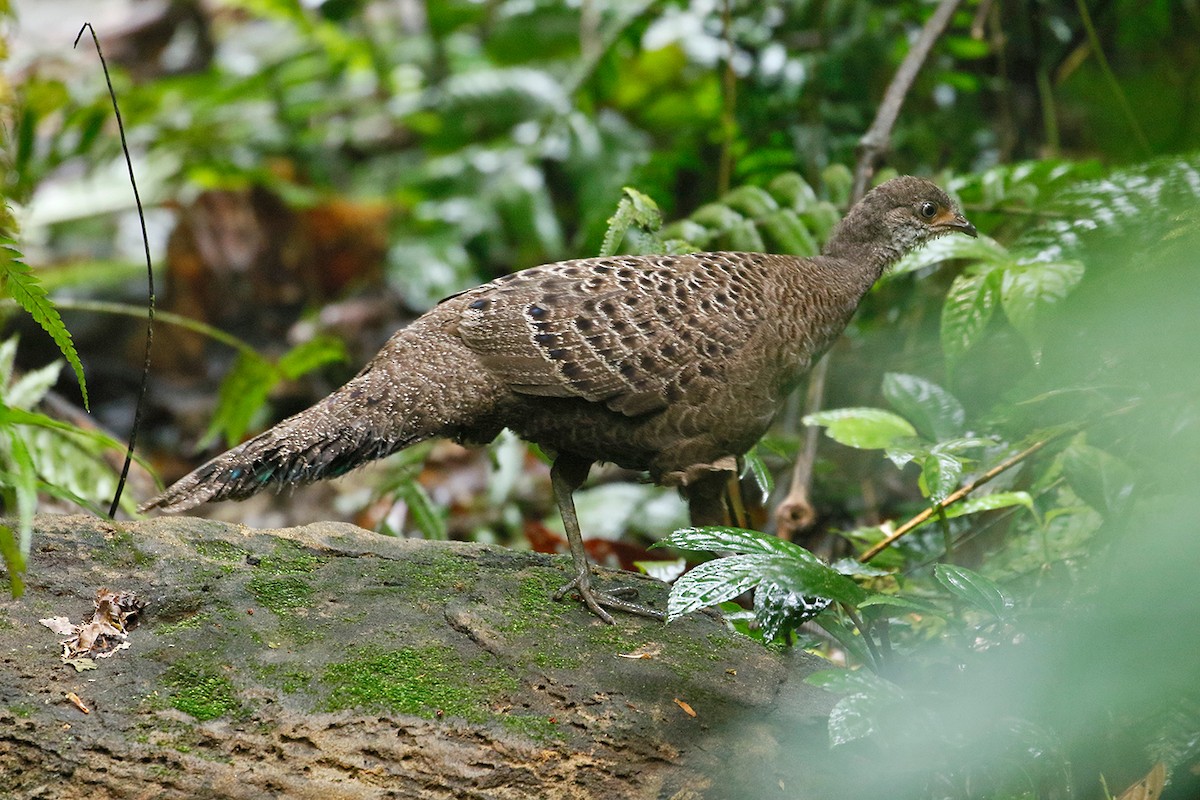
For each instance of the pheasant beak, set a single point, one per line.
(954, 221)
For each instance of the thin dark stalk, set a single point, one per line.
(1122, 100)
(141, 398)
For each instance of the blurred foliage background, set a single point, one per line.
(318, 173)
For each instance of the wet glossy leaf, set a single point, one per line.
(974, 589)
(966, 311)
(864, 428)
(935, 413)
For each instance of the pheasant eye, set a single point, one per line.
(928, 210)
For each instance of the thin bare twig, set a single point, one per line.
(137, 198)
(959, 494)
(874, 142)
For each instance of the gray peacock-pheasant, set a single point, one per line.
(675, 365)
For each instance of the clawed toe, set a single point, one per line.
(617, 599)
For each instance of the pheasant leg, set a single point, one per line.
(566, 476)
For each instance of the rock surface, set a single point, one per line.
(330, 662)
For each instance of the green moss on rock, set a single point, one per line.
(197, 688)
(426, 682)
(281, 593)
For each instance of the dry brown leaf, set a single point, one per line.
(686, 708)
(102, 635)
(60, 625)
(1149, 787)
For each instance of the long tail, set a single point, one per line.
(413, 390)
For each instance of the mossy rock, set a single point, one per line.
(328, 660)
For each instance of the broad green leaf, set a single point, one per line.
(854, 567)
(858, 681)
(903, 603)
(723, 539)
(744, 236)
(717, 217)
(838, 181)
(966, 311)
(310, 355)
(752, 201)
(792, 191)
(934, 412)
(906, 450)
(715, 582)
(1101, 480)
(723, 579)
(947, 248)
(788, 233)
(940, 475)
(864, 428)
(852, 718)
(1026, 287)
(780, 610)
(990, 502)
(19, 282)
(974, 589)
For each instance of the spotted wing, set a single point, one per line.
(630, 332)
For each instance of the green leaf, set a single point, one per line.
(242, 393)
(715, 582)
(903, 603)
(968, 308)
(19, 282)
(310, 355)
(991, 502)
(14, 561)
(635, 208)
(723, 539)
(949, 248)
(780, 610)
(744, 237)
(792, 191)
(723, 579)
(864, 428)
(866, 697)
(934, 412)
(788, 233)
(1026, 287)
(974, 589)
(752, 201)
(25, 485)
(1100, 479)
(757, 468)
(940, 475)
(838, 181)
(28, 390)
(429, 519)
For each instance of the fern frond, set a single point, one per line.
(18, 282)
